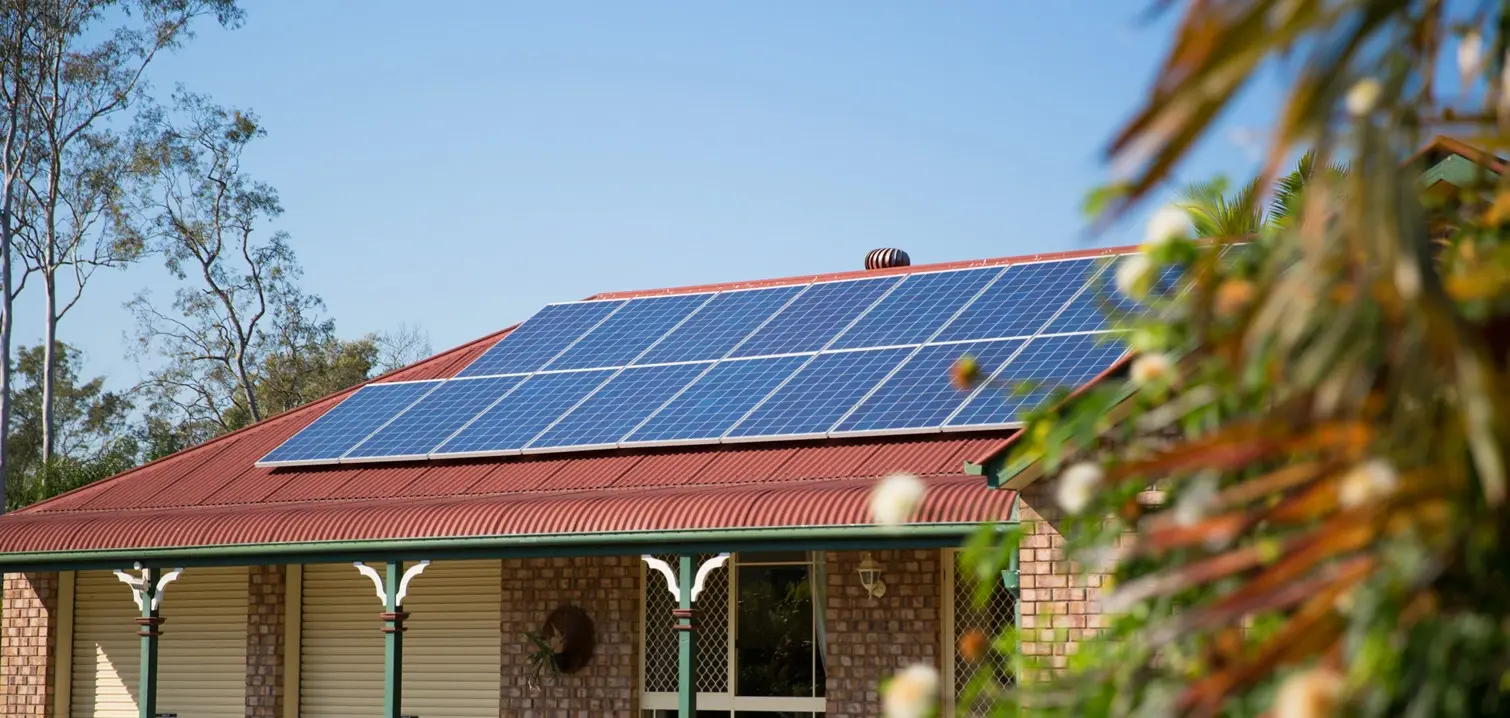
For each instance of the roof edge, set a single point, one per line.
(834, 537)
(859, 273)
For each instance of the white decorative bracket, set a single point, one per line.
(697, 584)
(403, 584)
(139, 584)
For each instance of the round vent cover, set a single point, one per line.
(884, 258)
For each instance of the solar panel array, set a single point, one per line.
(851, 357)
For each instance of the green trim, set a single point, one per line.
(393, 643)
(1458, 171)
(789, 538)
(147, 630)
(686, 665)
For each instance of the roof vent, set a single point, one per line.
(885, 258)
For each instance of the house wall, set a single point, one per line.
(868, 638)
(29, 622)
(1059, 605)
(871, 638)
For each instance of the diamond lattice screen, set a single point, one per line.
(712, 621)
(998, 613)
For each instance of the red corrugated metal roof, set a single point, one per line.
(214, 494)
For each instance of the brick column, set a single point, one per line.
(265, 613)
(28, 644)
(1059, 605)
(870, 638)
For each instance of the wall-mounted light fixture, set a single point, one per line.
(870, 576)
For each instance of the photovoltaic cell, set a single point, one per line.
(619, 406)
(345, 424)
(1021, 301)
(918, 307)
(719, 325)
(432, 419)
(1101, 305)
(525, 412)
(820, 393)
(540, 338)
(812, 320)
(920, 395)
(627, 333)
(1049, 363)
(713, 403)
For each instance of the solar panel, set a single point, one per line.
(619, 406)
(843, 357)
(353, 419)
(1048, 363)
(629, 332)
(810, 322)
(1022, 301)
(434, 418)
(920, 394)
(706, 410)
(540, 338)
(819, 394)
(917, 309)
(511, 423)
(720, 325)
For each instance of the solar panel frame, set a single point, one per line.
(333, 414)
(349, 458)
(468, 372)
(1013, 347)
(440, 453)
(895, 355)
(836, 341)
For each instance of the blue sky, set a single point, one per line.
(457, 169)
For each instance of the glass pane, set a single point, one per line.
(774, 643)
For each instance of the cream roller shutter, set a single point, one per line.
(201, 655)
(201, 660)
(452, 650)
(341, 644)
(106, 651)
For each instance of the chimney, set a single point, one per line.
(886, 258)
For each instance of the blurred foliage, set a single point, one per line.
(1320, 406)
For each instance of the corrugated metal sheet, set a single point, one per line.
(950, 499)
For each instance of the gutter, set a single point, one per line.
(834, 538)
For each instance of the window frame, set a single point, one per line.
(729, 700)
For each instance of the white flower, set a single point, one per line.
(1169, 223)
(1312, 694)
(894, 498)
(1363, 96)
(1371, 480)
(912, 693)
(1150, 368)
(1135, 276)
(1077, 485)
(1470, 56)
(1195, 501)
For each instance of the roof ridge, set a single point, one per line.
(857, 273)
(40, 506)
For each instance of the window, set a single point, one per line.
(772, 667)
(962, 614)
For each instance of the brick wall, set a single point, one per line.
(28, 625)
(264, 641)
(608, 589)
(870, 638)
(1059, 605)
